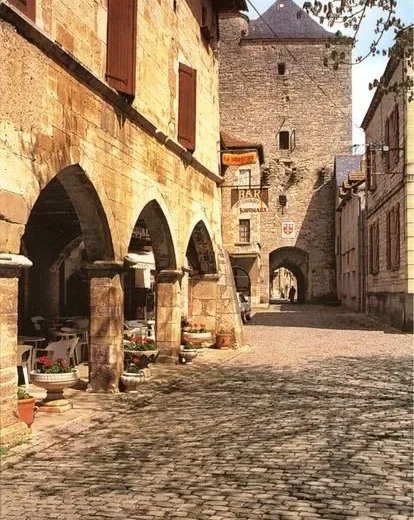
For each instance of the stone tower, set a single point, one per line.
(276, 90)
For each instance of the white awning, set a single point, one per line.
(141, 260)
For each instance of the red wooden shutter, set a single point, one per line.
(27, 7)
(396, 253)
(396, 136)
(121, 45)
(187, 107)
(387, 142)
(388, 240)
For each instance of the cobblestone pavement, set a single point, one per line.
(313, 422)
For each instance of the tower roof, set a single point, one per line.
(287, 20)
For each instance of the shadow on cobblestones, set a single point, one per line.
(331, 441)
(325, 317)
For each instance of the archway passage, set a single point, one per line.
(67, 216)
(242, 280)
(199, 283)
(200, 252)
(281, 285)
(294, 260)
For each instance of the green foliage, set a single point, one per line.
(22, 394)
(351, 14)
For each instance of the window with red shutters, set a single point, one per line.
(27, 7)
(187, 107)
(121, 45)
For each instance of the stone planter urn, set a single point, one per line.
(55, 384)
(197, 338)
(132, 380)
(145, 356)
(187, 355)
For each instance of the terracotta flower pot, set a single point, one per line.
(224, 340)
(27, 410)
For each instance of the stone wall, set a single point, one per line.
(255, 104)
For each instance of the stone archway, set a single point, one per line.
(69, 211)
(151, 237)
(242, 280)
(296, 260)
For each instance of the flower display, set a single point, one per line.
(197, 328)
(140, 343)
(45, 366)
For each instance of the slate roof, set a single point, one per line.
(287, 20)
(344, 165)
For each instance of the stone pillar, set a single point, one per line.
(12, 430)
(168, 315)
(204, 299)
(106, 326)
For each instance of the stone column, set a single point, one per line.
(168, 315)
(106, 326)
(12, 430)
(204, 299)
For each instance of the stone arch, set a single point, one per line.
(159, 226)
(297, 261)
(72, 191)
(200, 250)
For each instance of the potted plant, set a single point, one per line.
(188, 353)
(54, 377)
(139, 347)
(134, 373)
(197, 334)
(26, 408)
(224, 339)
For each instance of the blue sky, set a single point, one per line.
(365, 72)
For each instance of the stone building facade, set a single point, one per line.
(109, 120)
(275, 90)
(350, 239)
(389, 130)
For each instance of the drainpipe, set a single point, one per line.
(361, 254)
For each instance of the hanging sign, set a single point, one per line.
(257, 199)
(288, 230)
(238, 159)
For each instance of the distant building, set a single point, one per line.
(389, 130)
(275, 90)
(350, 232)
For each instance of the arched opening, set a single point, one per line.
(67, 228)
(294, 262)
(150, 250)
(198, 282)
(281, 284)
(242, 280)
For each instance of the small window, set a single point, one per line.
(283, 140)
(27, 7)
(244, 230)
(244, 177)
(281, 68)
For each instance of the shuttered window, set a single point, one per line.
(27, 7)
(121, 45)
(394, 136)
(187, 107)
(395, 237)
(374, 248)
(388, 240)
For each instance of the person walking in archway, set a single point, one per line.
(292, 292)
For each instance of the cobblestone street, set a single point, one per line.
(313, 422)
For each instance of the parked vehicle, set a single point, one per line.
(245, 309)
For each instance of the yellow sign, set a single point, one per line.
(238, 159)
